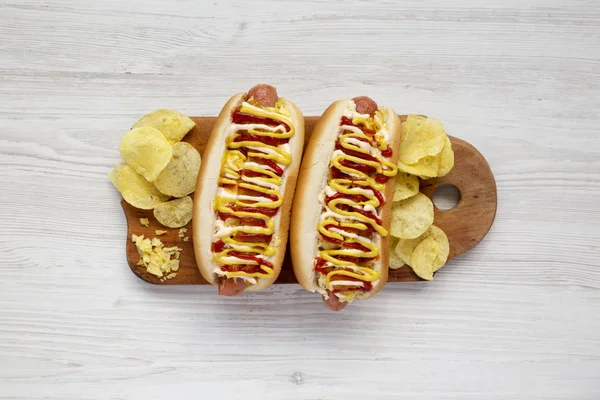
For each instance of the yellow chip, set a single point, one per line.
(173, 124)
(114, 173)
(147, 151)
(426, 168)
(179, 177)
(443, 248)
(411, 217)
(405, 186)
(446, 158)
(432, 166)
(395, 262)
(421, 137)
(135, 189)
(431, 254)
(175, 213)
(423, 258)
(406, 247)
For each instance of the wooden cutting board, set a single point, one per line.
(465, 225)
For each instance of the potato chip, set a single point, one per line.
(423, 258)
(175, 213)
(405, 186)
(173, 124)
(179, 177)
(421, 137)
(395, 262)
(443, 247)
(411, 217)
(147, 151)
(135, 189)
(432, 166)
(406, 247)
(432, 252)
(426, 168)
(446, 158)
(113, 175)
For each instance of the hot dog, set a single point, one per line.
(341, 212)
(245, 190)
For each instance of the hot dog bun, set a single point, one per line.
(205, 216)
(312, 180)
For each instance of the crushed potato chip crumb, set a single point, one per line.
(170, 276)
(186, 239)
(182, 232)
(156, 258)
(144, 222)
(159, 232)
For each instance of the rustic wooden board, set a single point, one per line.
(466, 224)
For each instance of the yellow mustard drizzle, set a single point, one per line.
(232, 162)
(363, 187)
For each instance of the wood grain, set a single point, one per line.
(514, 318)
(465, 225)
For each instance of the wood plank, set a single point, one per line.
(465, 225)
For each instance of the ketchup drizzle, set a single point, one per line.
(336, 173)
(218, 246)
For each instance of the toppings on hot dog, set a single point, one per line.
(347, 168)
(250, 193)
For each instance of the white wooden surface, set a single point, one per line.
(516, 318)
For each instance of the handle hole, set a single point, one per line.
(446, 196)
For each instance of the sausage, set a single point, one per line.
(231, 287)
(333, 303)
(266, 95)
(365, 105)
